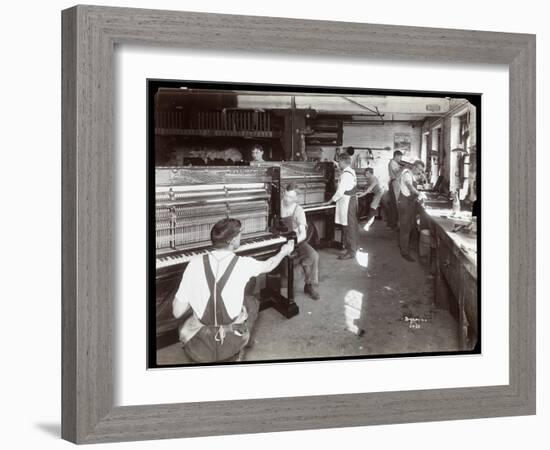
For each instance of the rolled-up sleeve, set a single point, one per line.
(255, 267)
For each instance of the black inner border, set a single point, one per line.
(152, 86)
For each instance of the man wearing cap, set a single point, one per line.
(213, 287)
(346, 205)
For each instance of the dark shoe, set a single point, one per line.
(408, 257)
(346, 256)
(310, 290)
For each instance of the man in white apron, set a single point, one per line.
(346, 206)
(213, 286)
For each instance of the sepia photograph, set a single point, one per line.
(296, 223)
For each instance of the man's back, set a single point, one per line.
(194, 285)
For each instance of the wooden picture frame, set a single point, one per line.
(89, 37)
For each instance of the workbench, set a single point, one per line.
(455, 263)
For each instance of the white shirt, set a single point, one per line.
(194, 290)
(406, 177)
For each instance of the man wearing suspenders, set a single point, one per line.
(346, 206)
(213, 286)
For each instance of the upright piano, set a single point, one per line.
(188, 202)
(315, 183)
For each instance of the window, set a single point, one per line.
(464, 131)
(464, 155)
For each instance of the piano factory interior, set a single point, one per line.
(240, 152)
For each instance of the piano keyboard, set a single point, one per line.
(186, 255)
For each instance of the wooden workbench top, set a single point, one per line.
(464, 245)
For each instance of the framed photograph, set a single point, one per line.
(402, 142)
(184, 167)
(219, 152)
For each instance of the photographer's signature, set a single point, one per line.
(415, 321)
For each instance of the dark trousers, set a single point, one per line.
(308, 258)
(407, 212)
(392, 209)
(386, 213)
(252, 308)
(350, 230)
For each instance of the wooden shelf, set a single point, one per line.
(215, 133)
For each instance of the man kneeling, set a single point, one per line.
(213, 286)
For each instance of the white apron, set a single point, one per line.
(341, 212)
